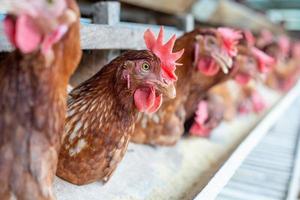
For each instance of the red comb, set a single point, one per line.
(163, 52)
(230, 40)
(264, 61)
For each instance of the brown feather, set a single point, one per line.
(32, 107)
(100, 122)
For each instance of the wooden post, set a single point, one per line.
(106, 12)
(103, 12)
(186, 22)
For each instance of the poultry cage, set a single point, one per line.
(244, 146)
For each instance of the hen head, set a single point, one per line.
(250, 60)
(36, 25)
(215, 49)
(264, 38)
(150, 73)
(279, 48)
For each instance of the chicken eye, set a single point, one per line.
(145, 67)
(251, 61)
(210, 42)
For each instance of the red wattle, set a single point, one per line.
(242, 79)
(208, 66)
(156, 105)
(27, 35)
(146, 100)
(199, 130)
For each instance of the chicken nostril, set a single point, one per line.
(165, 81)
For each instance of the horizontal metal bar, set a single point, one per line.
(120, 36)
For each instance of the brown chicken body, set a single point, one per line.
(198, 90)
(167, 125)
(32, 107)
(226, 94)
(101, 117)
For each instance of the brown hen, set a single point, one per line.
(33, 82)
(102, 111)
(204, 62)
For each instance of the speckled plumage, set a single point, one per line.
(100, 122)
(32, 107)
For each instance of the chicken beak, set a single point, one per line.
(167, 90)
(224, 61)
(170, 91)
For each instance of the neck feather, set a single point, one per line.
(104, 99)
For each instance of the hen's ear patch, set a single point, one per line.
(164, 52)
